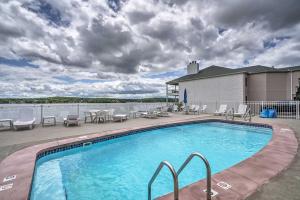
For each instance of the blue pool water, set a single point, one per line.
(121, 168)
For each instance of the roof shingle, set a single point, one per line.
(214, 71)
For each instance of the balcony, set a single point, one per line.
(173, 93)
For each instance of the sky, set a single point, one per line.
(130, 48)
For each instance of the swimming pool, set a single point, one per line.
(121, 168)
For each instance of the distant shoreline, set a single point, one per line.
(49, 100)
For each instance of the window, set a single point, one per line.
(246, 82)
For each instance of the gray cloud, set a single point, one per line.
(276, 13)
(8, 31)
(104, 37)
(137, 17)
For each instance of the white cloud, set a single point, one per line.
(100, 51)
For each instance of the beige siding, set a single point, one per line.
(221, 89)
(276, 87)
(257, 87)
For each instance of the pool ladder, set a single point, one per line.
(245, 117)
(176, 174)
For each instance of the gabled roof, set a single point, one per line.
(215, 71)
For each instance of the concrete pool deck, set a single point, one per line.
(11, 141)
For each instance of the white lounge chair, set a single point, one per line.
(203, 109)
(196, 109)
(241, 110)
(222, 110)
(175, 108)
(163, 112)
(25, 120)
(71, 120)
(150, 114)
(119, 117)
(191, 108)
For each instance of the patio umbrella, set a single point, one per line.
(185, 97)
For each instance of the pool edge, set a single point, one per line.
(22, 162)
(246, 177)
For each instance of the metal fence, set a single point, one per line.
(12, 111)
(287, 110)
(284, 109)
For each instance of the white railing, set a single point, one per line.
(287, 110)
(11, 111)
(284, 109)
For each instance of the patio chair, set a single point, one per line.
(203, 109)
(101, 116)
(222, 110)
(151, 114)
(241, 111)
(89, 116)
(191, 108)
(196, 109)
(119, 117)
(175, 108)
(71, 120)
(163, 112)
(110, 114)
(25, 120)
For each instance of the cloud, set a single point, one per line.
(130, 48)
(275, 13)
(136, 17)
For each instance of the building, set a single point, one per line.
(221, 84)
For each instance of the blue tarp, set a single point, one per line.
(268, 113)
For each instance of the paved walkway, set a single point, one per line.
(284, 186)
(11, 141)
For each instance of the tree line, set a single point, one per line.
(76, 100)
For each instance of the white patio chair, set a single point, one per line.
(163, 112)
(119, 117)
(203, 109)
(89, 115)
(101, 116)
(71, 120)
(196, 109)
(110, 114)
(190, 108)
(241, 111)
(222, 110)
(25, 120)
(175, 108)
(151, 114)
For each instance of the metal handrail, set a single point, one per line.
(248, 112)
(208, 171)
(65, 192)
(231, 111)
(174, 175)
